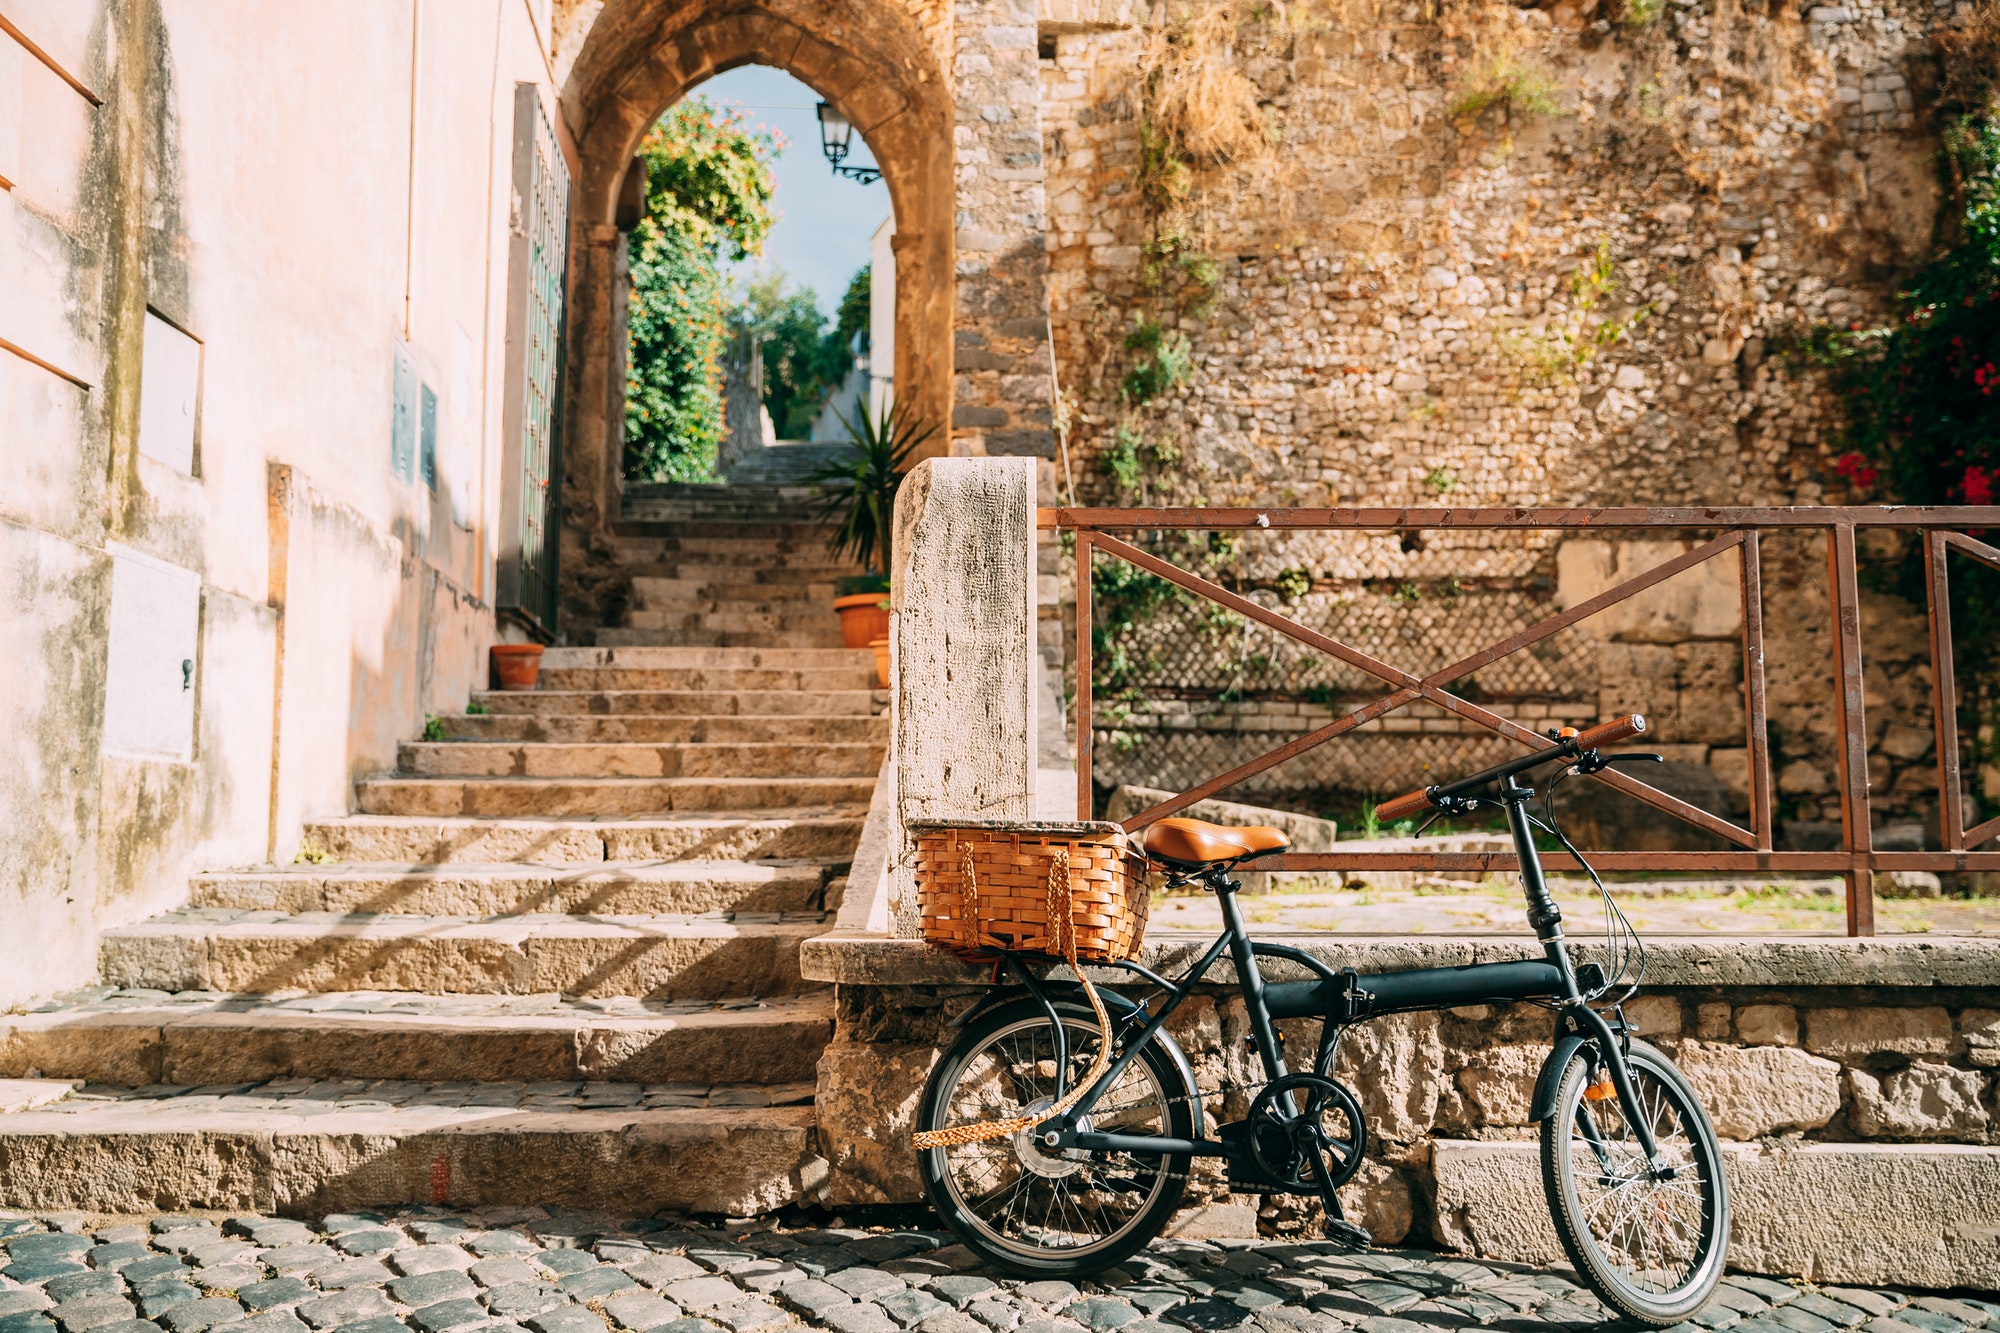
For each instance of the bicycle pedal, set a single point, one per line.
(1346, 1233)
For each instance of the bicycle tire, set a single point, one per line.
(946, 1175)
(1685, 1136)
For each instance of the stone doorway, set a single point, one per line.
(875, 60)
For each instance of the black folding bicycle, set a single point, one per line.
(1630, 1163)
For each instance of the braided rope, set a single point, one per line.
(1063, 929)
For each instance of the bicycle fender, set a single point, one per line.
(1565, 1050)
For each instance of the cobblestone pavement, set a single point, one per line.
(505, 1270)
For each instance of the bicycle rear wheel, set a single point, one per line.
(1050, 1213)
(1652, 1248)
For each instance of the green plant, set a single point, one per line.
(1640, 13)
(1506, 82)
(1161, 360)
(311, 856)
(1408, 594)
(1124, 597)
(1559, 354)
(708, 197)
(1294, 584)
(433, 727)
(1441, 479)
(1920, 396)
(849, 585)
(1121, 461)
(803, 357)
(858, 493)
(477, 709)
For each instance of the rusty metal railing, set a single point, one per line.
(1753, 848)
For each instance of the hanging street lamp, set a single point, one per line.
(836, 134)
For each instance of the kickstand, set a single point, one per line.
(1338, 1229)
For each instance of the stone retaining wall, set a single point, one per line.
(1872, 1081)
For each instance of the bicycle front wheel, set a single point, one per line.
(1050, 1212)
(1651, 1244)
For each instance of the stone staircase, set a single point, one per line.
(553, 958)
(726, 566)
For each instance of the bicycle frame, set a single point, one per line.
(1340, 998)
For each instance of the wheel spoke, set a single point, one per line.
(1650, 1234)
(1023, 1197)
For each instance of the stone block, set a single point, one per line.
(1907, 884)
(1705, 602)
(1980, 1029)
(1757, 1090)
(1850, 1035)
(1655, 1015)
(867, 1104)
(1929, 1212)
(1768, 1025)
(1500, 1083)
(1924, 1101)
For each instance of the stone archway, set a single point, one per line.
(871, 58)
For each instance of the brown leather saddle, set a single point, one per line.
(1190, 843)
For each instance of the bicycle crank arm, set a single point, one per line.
(1151, 1145)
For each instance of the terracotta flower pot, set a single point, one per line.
(864, 618)
(517, 664)
(881, 647)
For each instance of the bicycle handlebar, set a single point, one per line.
(1569, 746)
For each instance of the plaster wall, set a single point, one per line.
(298, 188)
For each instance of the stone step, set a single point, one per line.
(132, 1039)
(736, 616)
(660, 957)
(610, 888)
(536, 759)
(305, 1148)
(654, 561)
(782, 658)
(682, 703)
(746, 524)
(828, 833)
(859, 677)
(684, 540)
(602, 797)
(725, 589)
(624, 636)
(732, 629)
(846, 727)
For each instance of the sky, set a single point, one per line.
(825, 220)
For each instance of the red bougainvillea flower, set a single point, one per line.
(1977, 485)
(1855, 468)
(1986, 377)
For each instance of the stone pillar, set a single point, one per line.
(1002, 385)
(962, 603)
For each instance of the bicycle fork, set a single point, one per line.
(1546, 918)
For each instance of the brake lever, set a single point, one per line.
(1593, 762)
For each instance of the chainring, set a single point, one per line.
(1284, 1132)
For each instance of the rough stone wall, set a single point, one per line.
(1000, 333)
(1579, 304)
(1774, 1066)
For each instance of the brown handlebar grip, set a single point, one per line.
(1610, 733)
(1409, 803)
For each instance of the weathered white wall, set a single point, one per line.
(298, 188)
(962, 631)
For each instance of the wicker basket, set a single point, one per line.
(991, 886)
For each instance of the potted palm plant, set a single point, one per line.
(858, 504)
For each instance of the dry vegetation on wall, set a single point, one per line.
(1469, 252)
